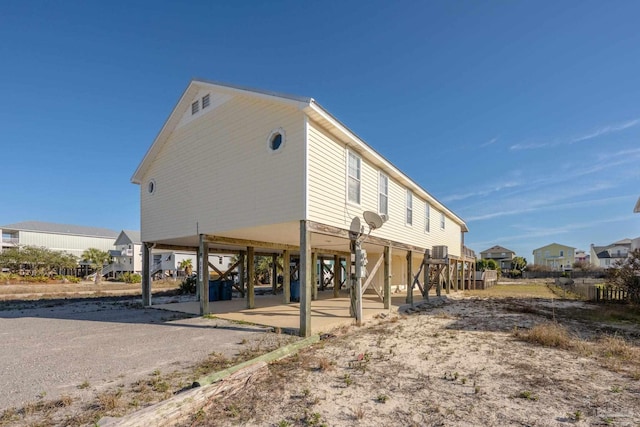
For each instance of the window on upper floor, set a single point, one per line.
(353, 176)
(442, 220)
(427, 217)
(383, 194)
(561, 253)
(409, 218)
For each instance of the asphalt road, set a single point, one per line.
(48, 348)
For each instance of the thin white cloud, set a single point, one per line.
(530, 146)
(604, 130)
(546, 204)
(621, 153)
(544, 232)
(488, 143)
(481, 193)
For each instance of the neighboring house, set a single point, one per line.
(555, 256)
(73, 239)
(499, 254)
(127, 255)
(168, 262)
(238, 169)
(582, 256)
(607, 256)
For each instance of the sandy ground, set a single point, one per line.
(454, 361)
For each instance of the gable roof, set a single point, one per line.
(497, 248)
(552, 244)
(53, 228)
(312, 109)
(623, 242)
(129, 236)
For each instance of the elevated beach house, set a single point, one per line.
(245, 171)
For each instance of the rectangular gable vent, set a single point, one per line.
(206, 100)
(195, 107)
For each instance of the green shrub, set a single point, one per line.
(188, 285)
(129, 277)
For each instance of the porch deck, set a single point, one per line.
(327, 312)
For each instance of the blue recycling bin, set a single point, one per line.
(226, 287)
(214, 290)
(220, 290)
(295, 290)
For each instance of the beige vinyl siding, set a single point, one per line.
(72, 244)
(327, 198)
(217, 174)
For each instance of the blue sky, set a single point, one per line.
(522, 117)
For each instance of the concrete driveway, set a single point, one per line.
(49, 348)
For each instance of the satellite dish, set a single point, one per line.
(373, 220)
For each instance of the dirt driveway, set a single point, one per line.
(78, 349)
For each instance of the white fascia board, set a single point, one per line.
(362, 147)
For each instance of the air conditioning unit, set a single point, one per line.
(440, 252)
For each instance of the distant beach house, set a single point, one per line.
(555, 256)
(607, 256)
(499, 254)
(73, 239)
(248, 171)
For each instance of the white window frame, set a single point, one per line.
(442, 221)
(357, 179)
(427, 217)
(383, 178)
(408, 214)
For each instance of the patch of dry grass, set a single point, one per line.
(606, 313)
(612, 352)
(515, 290)
(548, 334)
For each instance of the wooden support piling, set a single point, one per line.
(425, 279)
(305, 280)
(203, 275)
(387, 277)
(274, 273)
(337, 276)
(146, 274)
(251, 277)
(314, 276)
(409, 299)
(286, 276)
(241, 273)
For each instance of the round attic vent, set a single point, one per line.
(276, 139)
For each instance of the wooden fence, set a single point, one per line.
(610, 294)
(597, 293)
